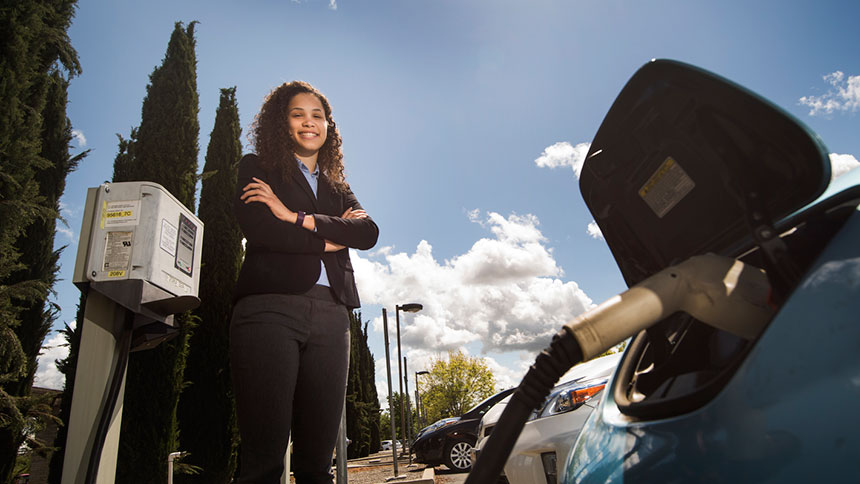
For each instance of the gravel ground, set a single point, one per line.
(378, 469)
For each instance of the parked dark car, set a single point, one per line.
(449, 441)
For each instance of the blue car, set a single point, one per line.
(688, 163)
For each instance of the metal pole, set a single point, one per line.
(341, 448)
(418, 404)
(400, 377)
(170, 457)
(408, 408)
(390, 396)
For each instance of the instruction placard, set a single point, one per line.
(117, 253)
(666, 187)
(167, 241)
(185, 245)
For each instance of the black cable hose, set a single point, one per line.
(123, 346)
(549, 366)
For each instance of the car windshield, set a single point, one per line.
(480, 409)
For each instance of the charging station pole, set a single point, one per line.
(138, 263)
(98, 358)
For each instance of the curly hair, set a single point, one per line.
(275, 148)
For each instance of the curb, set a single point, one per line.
(427, 477)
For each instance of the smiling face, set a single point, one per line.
(307, 126)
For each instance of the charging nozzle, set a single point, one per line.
(719, 291)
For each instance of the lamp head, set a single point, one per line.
(411, 307)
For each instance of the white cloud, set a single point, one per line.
(67, 233)
(503, 293)
(332, 4)
(594, 230)
(79, 136)
(843, 95)
(842, 164)
(564, 154)
(47, 374)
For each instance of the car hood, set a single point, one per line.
(596, 368)
(672, 153)
(439, 424)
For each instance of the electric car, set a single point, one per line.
(693, 401)
(551, 429)
(449, 441)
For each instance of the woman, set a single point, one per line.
(289, 337)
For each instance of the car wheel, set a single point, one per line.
(458, 455)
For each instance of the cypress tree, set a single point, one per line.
(207, 416)
(165, 152)
(371, 398)
(35, 58)
(362, 403)
(356, 414)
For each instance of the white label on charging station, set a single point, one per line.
(125, 212)
(117, 253)
(168, 237)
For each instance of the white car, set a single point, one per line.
(386, 445)
(551, 431)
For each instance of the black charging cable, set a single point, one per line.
(553, 362)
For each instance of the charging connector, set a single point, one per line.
(720, 291)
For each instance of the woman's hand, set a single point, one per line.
(260, 191)
(333, 246)
(350, 213)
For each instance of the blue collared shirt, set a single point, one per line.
(313, 181)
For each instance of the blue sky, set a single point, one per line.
(461, 122)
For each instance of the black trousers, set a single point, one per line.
(289, 358)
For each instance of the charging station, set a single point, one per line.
(138, 262)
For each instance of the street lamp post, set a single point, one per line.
(407, 308)
(390, 396)
(418, 398)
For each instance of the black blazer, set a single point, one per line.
(282, 258)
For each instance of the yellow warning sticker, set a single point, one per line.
(116, 273)
(666, 187)
(120, 213)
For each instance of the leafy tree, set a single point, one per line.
(207, 414)
(454, 385)
(36, 60)
(164, 151)
(385, 417)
